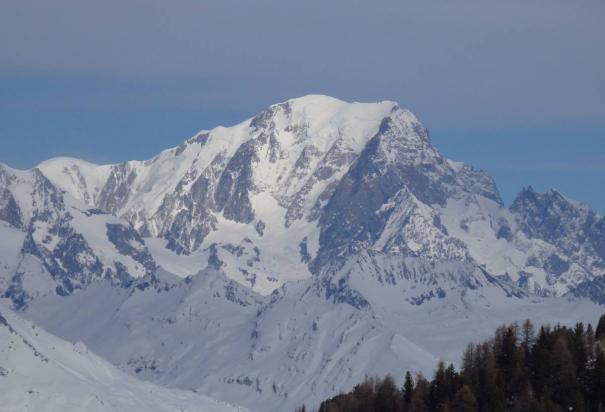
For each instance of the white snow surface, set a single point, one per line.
(40, 372)
(81, 179)
(301, 344)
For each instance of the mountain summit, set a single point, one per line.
(308, 183)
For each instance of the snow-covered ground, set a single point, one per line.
(297, 345)
(42, 373)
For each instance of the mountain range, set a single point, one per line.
(281, 260)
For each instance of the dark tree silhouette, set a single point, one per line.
(560, 369)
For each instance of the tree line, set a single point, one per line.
(520, 369)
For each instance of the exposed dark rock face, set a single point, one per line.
(194, 220)
(341, 292)
(504, 232)
(593, 290)
(55, 241)
(15, 292)
(398, 165)
(116, 191)
(554, 264)
(232, 195)
(573, 227)
(480, 183)
(129, 243)
(9, 211)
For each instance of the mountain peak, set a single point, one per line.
(315, 99)
(546, 198)
(311, 176)
(318, 110)
(65, 160)
(321, 100)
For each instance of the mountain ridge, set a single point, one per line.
(311, 181)
(281, 260)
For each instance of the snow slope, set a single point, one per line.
(39, 372)
(307, 340)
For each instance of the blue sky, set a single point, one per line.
(515, 87)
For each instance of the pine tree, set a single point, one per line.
(540, 362)
(596, 388)
(563, 381)
(490, 394)
(418, 403)
(438, 387)
(408, 389)
(600, 331)
(365, 395)
(528, 337)
(386, 396)
(464, 400)
(507, 356)
(589, 337)
(470, 361)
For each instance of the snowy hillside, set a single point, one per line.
(306, 341)
(39, 372)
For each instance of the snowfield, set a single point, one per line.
(39, 372)
(295, 346)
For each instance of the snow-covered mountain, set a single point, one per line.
(308, 183)
(53, 243)
(281, 260)
(40, 372)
